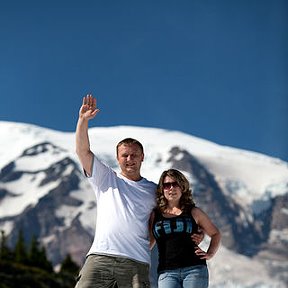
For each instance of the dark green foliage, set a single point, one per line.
(69, 266)
(5, 252)
(20, 249)
(37, 256)
(14, 275)
(29, 268)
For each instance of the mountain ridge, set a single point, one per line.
(43, 189)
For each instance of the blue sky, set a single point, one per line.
(213, 69)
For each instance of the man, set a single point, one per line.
(120, 255)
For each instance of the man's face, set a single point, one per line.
(130, 158)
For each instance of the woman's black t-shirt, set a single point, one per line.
(173, 237)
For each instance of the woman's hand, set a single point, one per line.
(202, 254)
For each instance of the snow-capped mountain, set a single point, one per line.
(43, 191)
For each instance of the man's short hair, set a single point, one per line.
(129, 141)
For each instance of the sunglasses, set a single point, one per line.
(168, 185)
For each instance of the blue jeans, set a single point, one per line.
(187, 277)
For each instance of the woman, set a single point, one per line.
(181, 262)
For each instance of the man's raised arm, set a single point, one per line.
(87, 111)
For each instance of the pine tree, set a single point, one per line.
(5, 252)
(20, 249)
(69, 266)
(34, 252)
(44, 263)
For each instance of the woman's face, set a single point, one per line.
(171, 189)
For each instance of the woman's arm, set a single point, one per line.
(152, 239)
(210, 229)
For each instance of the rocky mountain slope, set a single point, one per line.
(43, 192)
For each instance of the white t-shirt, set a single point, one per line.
(123, 211)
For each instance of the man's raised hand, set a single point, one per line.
(88, 109)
